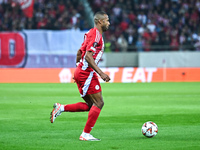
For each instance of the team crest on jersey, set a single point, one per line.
(95, 44)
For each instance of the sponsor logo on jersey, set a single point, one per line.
(95, 44)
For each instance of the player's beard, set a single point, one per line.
(105, 28)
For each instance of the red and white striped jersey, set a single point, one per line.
(93, 41)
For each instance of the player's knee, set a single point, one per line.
(101, 104)
(90, 104)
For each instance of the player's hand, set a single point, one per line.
(105, 77)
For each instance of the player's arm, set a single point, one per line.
(78, 57)
(89, 58)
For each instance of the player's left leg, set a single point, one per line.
(93, 115)
(94, 111)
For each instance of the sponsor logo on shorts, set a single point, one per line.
(97, 87)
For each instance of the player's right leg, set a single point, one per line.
(77, 107)
(58, 109)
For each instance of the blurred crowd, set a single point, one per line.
(47, 14)
(151, 25)
(136, 25)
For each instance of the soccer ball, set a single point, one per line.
(149, 129)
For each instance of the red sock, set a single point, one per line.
(92, 118)
(76, 107)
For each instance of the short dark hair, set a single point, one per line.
(99, 15)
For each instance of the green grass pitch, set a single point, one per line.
(174, 107)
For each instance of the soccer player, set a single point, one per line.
(88, 57)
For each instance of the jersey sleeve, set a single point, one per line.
(93, 40)
(84, 45)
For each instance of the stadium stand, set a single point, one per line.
(48, 14)
(146, 25)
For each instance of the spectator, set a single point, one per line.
(142, 17)
(107, 46)
(166, 43)
(182, 40)
(139, 45)
(131, 38)
(197, 45)
(141, 29)
(123, 44)
(174, 44)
